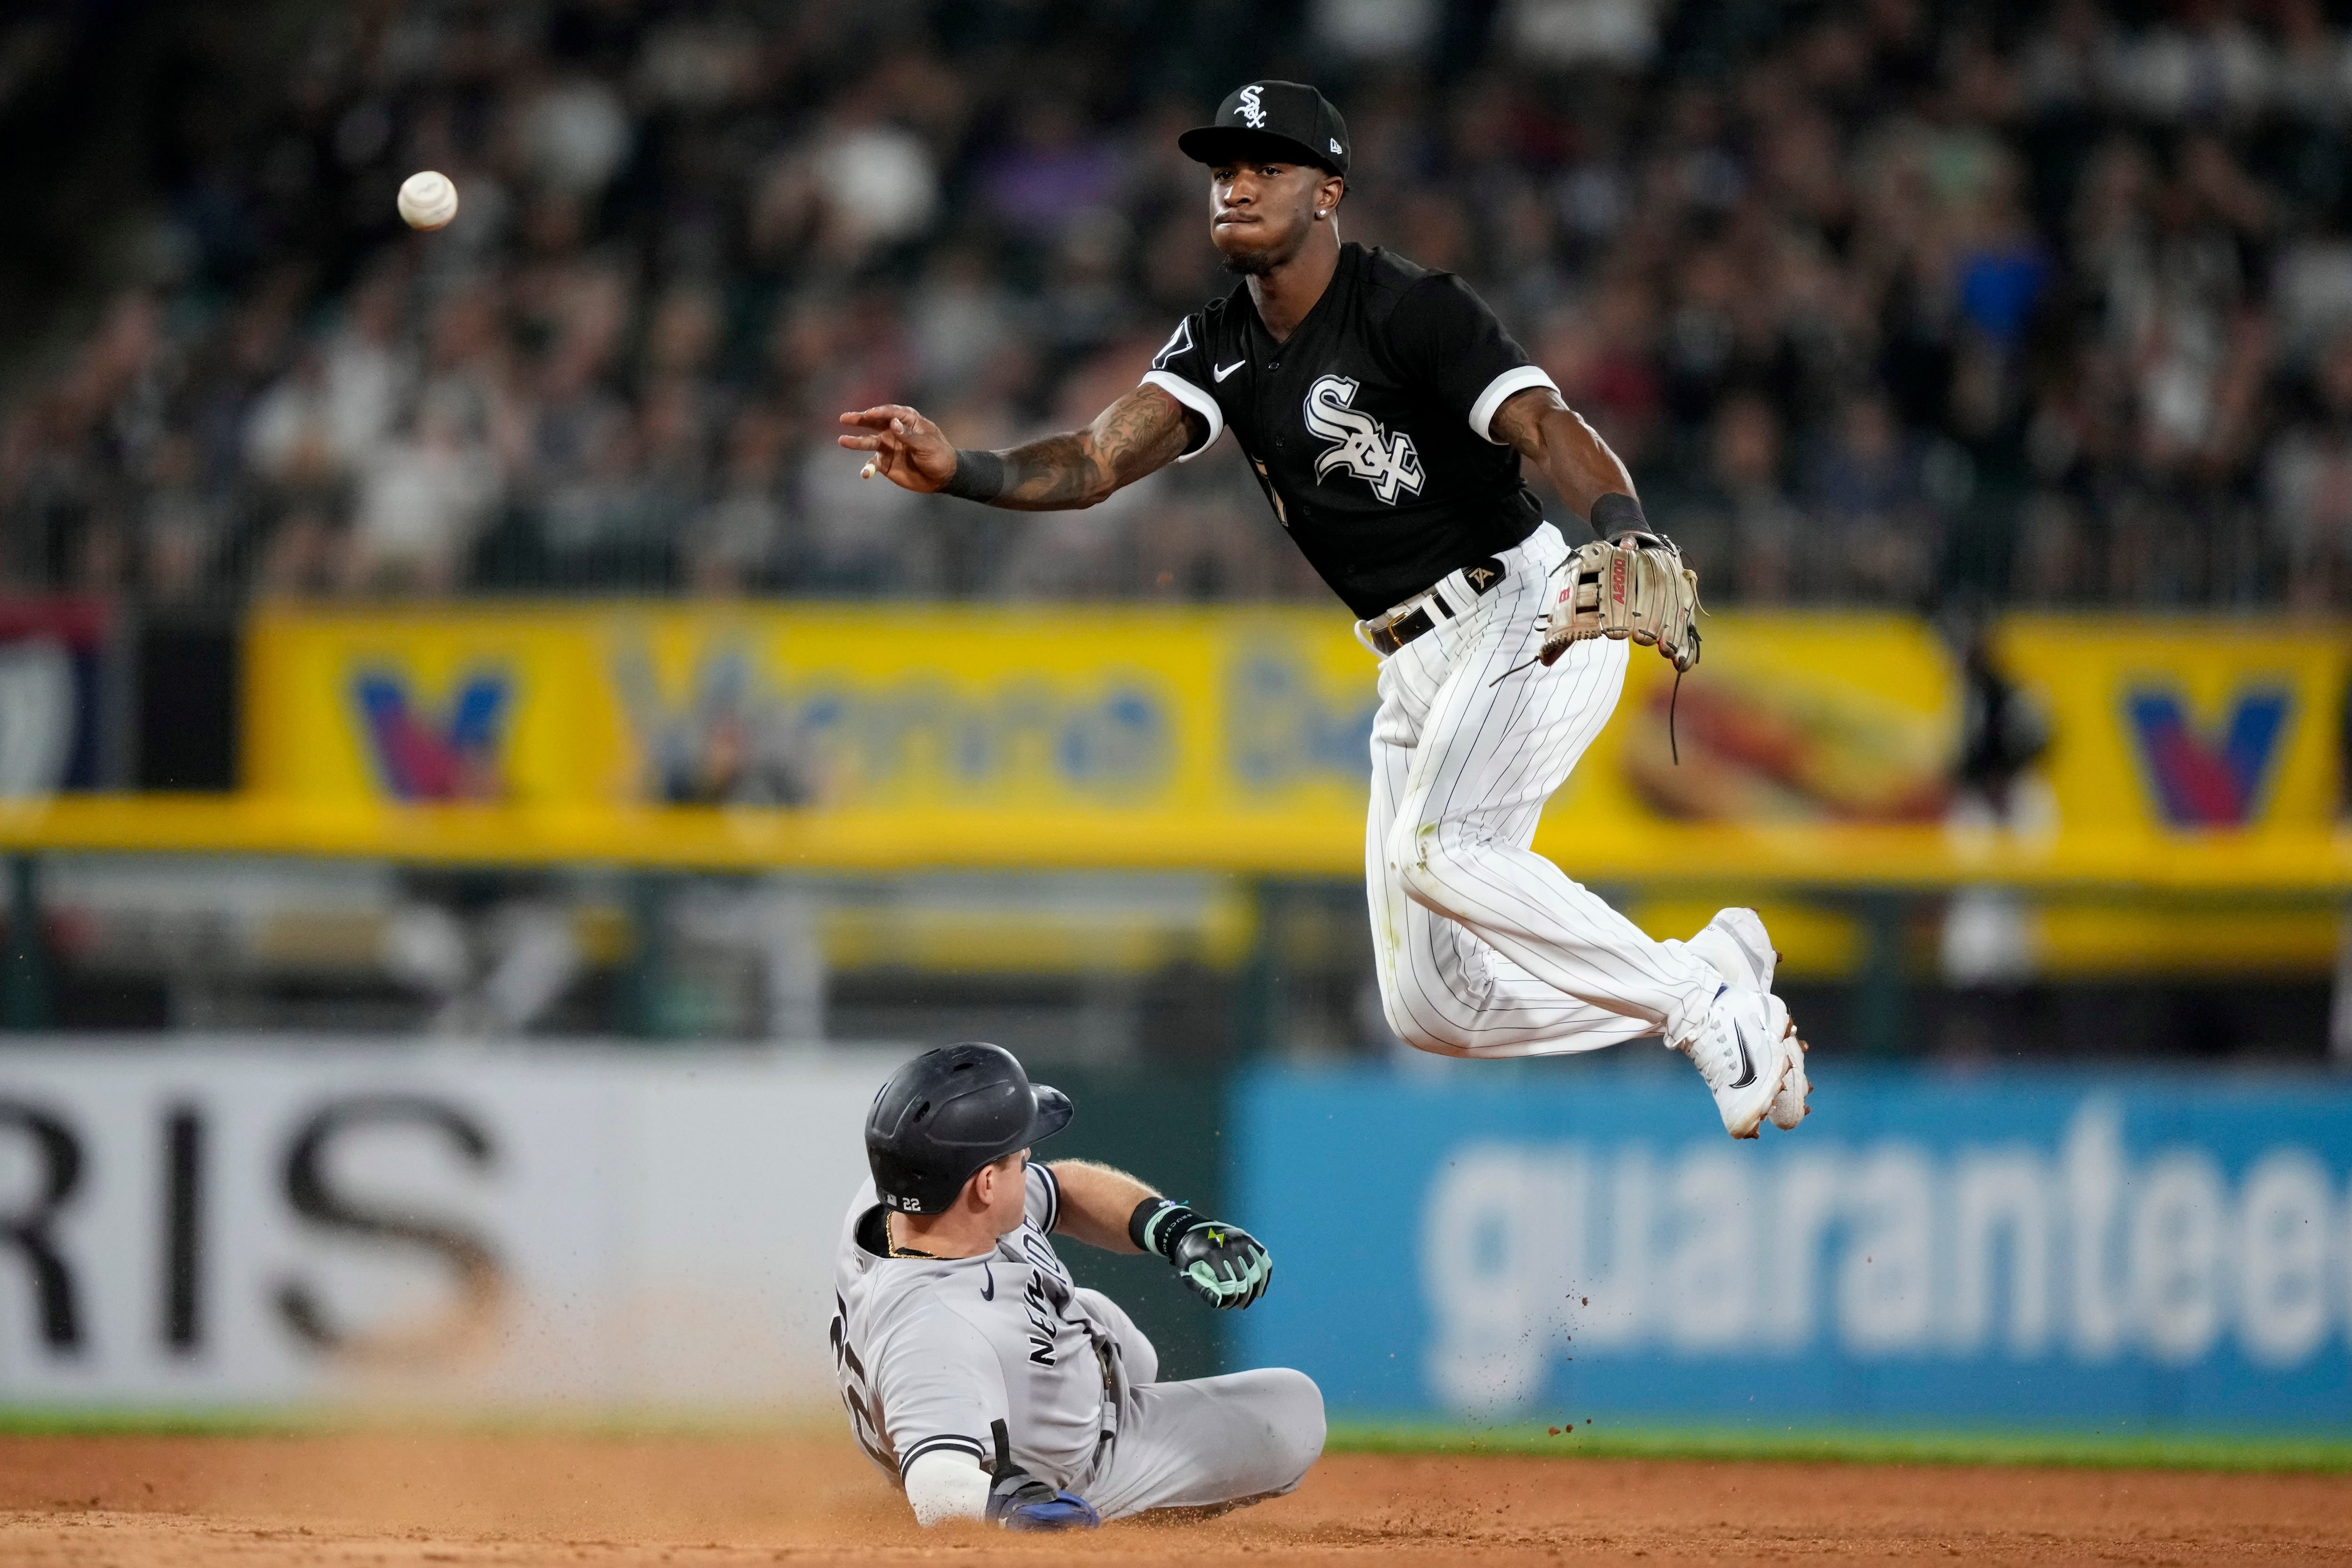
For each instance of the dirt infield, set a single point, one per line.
(715, 1502)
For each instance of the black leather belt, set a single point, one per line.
(1481, 577)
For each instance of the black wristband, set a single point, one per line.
(1158, 1224)
(1614, 513)
(978, 476)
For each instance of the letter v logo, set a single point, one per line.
(2209, 779)
(455, 759)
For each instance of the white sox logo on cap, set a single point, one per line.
(1250, 110)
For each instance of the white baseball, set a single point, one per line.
(427, 199)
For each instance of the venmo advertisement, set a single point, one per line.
(819, 707)
(1793, 718)
(1572, 1241)
(1239, 738)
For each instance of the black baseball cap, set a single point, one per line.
(1286, 118)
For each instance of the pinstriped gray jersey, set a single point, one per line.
(929, 1351)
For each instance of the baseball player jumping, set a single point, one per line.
(1386, 412)
(983, 1381)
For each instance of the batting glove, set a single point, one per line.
(1223, 1265)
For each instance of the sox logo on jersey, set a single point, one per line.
(1363, 447)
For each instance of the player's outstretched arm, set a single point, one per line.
(1222, 1263)
(1095, 1203)
(1143, 431)
(1569, 452)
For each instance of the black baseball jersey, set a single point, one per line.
(1368, 429)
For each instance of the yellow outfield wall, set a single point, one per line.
(905, 711)
(1185, 714)
(2188, 727)
(1816, 750)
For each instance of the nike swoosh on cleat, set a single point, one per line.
(1223, 371)
(1746, 1062)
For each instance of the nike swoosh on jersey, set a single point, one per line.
(989, 1294)
(1223, 371)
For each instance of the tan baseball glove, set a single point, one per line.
(1630, 585)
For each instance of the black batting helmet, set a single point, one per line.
(947, 1114)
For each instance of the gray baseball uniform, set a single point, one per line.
(931, 1352)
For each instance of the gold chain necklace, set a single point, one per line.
(890, 1237)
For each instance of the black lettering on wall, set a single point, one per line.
(480, 1282)
(183, 1322)
(28, 1231)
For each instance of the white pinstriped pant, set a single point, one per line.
(1485, 948)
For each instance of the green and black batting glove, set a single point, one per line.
(1224, 1264)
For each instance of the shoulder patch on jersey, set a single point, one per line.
(1179, 341)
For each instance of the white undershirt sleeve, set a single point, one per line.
(944, 1485)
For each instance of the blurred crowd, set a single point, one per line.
(1883, 302)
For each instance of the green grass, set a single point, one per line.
(1843, 1444)
(296, 1421)
(1849, 1445)
(69, 1422)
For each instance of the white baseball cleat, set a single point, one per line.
(1791, 1105)
(1743, 1062)
(1736, 945)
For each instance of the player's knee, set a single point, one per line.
(1424, 1037)
(1294, 1411)
(1409, 1023)
(1431, 866)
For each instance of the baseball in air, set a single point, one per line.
(428, 199)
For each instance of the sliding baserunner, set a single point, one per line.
(988, 1384)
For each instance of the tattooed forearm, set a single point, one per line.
(1566, 451)
(1141, 432)
(1052, 475)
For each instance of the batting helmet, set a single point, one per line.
(947, 1114)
